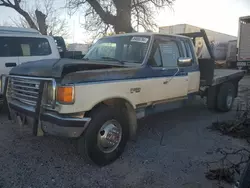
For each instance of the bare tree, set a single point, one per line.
(118, 15)
(43, 16)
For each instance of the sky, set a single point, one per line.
(217, 15)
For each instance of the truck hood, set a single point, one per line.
(57, 68)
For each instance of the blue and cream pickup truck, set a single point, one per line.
(122, 78)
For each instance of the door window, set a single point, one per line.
(155, 58)
(4, 48)
(9, 47)
(170, 53)
(165, 54)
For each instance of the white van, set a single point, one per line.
(19, 45)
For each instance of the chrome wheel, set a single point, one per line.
(109, 136)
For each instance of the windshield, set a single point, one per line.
(122, 49)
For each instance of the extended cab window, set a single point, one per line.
(24, 46)
(188, 49)
(130, 49)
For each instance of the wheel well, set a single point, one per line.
(125, 106)
(236, 85)
(216, 88)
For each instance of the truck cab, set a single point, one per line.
(122, 78)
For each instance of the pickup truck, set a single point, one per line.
(122, 78)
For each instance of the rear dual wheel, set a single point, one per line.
(221, 98)
(226, 97)
(105, 138)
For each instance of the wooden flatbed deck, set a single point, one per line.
(224, 75)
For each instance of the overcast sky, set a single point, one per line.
(218, 15)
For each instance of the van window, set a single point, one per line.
(4, 48)
(24, 46)
(34, 46)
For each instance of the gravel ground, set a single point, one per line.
(171, 151)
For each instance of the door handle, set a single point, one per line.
(165, 82)
(10, 64)
(182, 72)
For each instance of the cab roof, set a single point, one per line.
(149, 34)
(17, 30)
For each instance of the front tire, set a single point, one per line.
(226, 97)
(106, 136)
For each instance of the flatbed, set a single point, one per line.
(224, 75)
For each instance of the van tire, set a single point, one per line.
(225, 97)
(88, 146)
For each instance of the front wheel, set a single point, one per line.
(106, 136)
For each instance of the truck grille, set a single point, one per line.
(23, 90)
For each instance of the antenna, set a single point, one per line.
(73, 36)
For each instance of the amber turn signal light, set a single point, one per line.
(65, 94)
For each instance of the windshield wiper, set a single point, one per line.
(113, 59)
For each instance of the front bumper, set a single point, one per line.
(63, 126)
(50, 122)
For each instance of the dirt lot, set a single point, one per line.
(171, 151)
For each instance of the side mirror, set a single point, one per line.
(184, 62)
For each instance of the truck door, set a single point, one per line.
(8, 54)
(172, 81)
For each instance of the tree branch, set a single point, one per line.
(105, 16)
(16, 7)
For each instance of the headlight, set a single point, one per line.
(51, 92)
(2, 83)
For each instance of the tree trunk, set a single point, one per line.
(41, 21)
(27, 18)
(123, 17)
